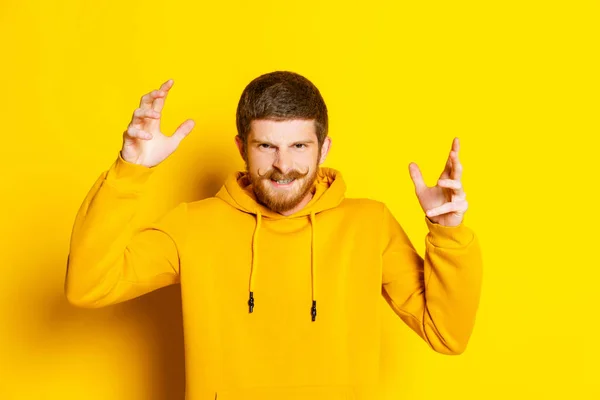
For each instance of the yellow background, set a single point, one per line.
(516, 81)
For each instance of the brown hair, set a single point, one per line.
(280, 96)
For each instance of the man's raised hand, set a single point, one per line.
(445, 203)
(143, 142)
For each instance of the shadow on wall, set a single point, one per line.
(148, 326)
(159, 319)
(152, 322)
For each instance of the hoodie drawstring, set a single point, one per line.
(254, 262)
(313, 309)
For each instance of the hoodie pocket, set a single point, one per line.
(289, 393)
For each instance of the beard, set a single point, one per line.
(285, 198)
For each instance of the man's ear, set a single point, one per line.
(240, 145)
(325, 149)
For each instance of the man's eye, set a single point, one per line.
(264, 145)
(300, 145)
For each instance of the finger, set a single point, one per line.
(136, 133)
(447, 172)
(149, 98)
(460, 206)
(165, 87)
(455, 145)
(455, 185)
(139, 114)
(456, 173)
(159, 103)
(183, 130)
(417, 177)
(145, 113)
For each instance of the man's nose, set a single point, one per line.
(283, 162)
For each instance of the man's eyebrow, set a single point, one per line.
(253, 141)
(307, 141)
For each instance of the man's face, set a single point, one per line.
(282, 161)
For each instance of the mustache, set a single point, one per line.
(278, 176)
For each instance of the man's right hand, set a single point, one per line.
(143, 142)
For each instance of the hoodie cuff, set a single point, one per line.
(128, 176)
(449, 236)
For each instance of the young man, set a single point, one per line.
(281, 275)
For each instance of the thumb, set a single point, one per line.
(183, 130)
(417, 178)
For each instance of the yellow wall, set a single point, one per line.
(517, 81)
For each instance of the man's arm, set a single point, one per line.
(437, 296)
(112, 257)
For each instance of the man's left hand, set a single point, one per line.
(445, 203)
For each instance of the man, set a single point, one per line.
(281, 275)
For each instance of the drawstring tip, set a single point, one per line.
(251, 302)
(313, 310)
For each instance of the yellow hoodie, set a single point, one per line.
(335, 257)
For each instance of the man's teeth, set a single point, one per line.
(284, 182)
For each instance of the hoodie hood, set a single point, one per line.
(328, 192)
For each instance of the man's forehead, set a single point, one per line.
(290, 130)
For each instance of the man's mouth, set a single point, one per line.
(282, 182)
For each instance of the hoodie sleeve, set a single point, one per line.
(113, 256)
(438, 296)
